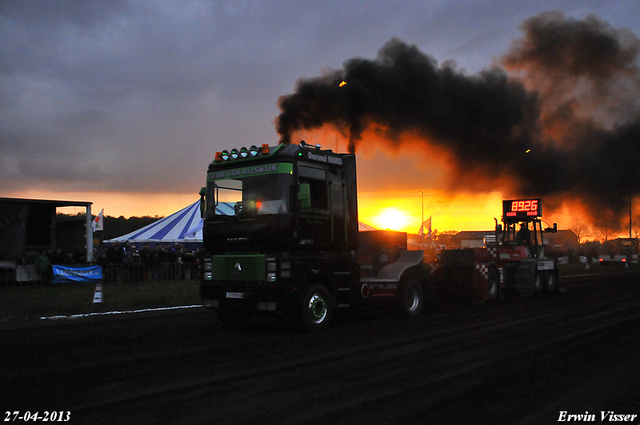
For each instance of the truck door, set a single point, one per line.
(315, 221)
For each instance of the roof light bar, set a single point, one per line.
(242, 153)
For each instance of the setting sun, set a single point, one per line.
(402, 210)
(391, 218)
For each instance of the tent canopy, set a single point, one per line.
(182, 226)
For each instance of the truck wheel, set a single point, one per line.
(551, 283)
(317, 308)
(494, 284)
(411, 298)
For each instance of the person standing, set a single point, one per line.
(43, 264)
(145, 260)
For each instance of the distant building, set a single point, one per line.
(565, 238)
(621, 246)
(471, 239)
(29, 226)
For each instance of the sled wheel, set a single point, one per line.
(551, 282)
(494, 284)
(538, 283)
(411, 298)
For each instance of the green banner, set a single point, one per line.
(255, 170)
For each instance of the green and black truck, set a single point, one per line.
(281, 237)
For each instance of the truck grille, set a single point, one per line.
(238, 267)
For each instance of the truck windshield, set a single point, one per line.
(249, 196)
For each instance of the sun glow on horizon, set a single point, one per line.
(402, 210)
(391, 218)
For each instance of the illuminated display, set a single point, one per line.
(522, 208)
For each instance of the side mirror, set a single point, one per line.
(203, 205)
(499, 228)
(304, 196)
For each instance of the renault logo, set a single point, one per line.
(237, 269)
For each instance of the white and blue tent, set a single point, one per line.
(180, 227)
(173, 228)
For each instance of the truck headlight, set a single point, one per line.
(271, 266)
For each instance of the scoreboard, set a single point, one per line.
(522, 208)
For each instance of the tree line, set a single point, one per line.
(113, 226)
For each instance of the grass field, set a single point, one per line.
(17, 304)
(76, 298)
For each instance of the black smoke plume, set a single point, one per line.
(562, 121)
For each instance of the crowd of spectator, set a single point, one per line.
(56, 257)
(59, 257)
(126, 263)
(166, 261)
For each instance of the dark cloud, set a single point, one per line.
(582, 67)
(587, 77)
(131, 90)
(492, 126)
(82, 14)
(406, 91)
(138, 95)
(569, 48)
(37, 34)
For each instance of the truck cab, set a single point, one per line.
(281, 236)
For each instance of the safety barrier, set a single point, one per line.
(20, 276)
(30, 276)
(116, 273)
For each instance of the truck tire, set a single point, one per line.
(317, 309)
(494, 284)
(411, 298)
(551, 281)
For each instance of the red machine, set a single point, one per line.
(513, 261)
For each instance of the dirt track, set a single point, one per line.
(519, 361)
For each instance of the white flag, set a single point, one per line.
(427, 224)
(98, 222)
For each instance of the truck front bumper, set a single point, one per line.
(255, 298)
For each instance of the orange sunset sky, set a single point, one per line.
(397, 210)
(390, 183)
